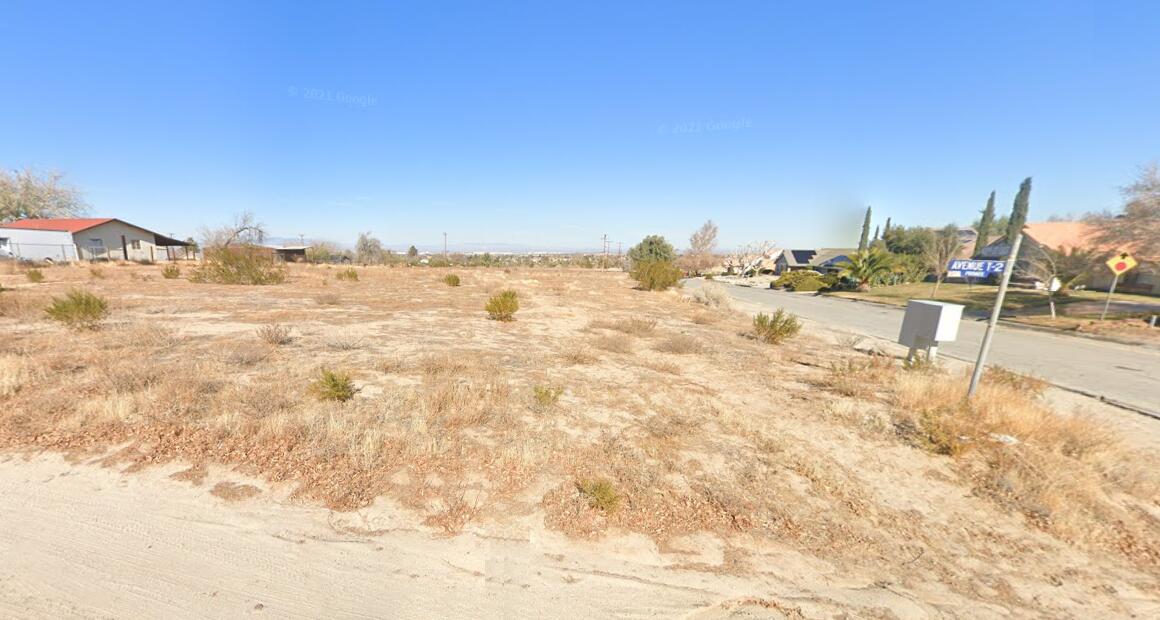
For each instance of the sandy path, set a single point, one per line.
(91, 542)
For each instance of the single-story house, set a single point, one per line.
(106, 238)
(794, 260)
(827, 260)
(1066, 236)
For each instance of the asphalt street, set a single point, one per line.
(1117, 373)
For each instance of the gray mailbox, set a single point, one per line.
(927, 324)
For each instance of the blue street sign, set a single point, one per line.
(967, 268)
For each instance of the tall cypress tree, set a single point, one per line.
(1019, 211)
(886, 230)
(985, 225)
(877, 229)
(865, 240)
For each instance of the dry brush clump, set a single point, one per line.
(78, 309)
(1063, 472)
(239, 265)
(503, 305)
(776, 328)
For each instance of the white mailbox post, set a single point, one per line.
(927, 324)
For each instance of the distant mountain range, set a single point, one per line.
(466, 247)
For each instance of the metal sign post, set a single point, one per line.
(985, 348)
(1118, 264)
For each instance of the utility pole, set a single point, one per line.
(990, 333)
(604, 252)
(444, 247)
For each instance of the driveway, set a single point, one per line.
(1121, 374)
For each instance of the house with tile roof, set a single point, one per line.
(1071, 235)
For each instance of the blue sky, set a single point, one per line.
(549, 124)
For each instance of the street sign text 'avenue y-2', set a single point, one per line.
(967, 268)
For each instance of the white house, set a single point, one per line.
(64, 239)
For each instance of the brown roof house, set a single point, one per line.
(1066, 236)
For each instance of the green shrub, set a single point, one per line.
(332, 385)
(655, 275)
(808, 285)
(451, 279)
(34, 276)
(546, 395)
(239, 264)
(794, 280)
(503, 305)
(347, 275)
(600, 494)
(776, 328)
(78, 309)
(170, 272)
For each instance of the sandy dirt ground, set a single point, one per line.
(85, 541)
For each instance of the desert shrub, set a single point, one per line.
(713, 295)
(332, 385)
(275, 334)
(96, 273)
(600, 494)
(546, 395)
(655, 275)
(451, 279)
(794, 280)
(503, 305)
(776, 328)
(327, 299)
(347, 275)
(239, 264)
(170, 272)
(34, 276)
(680, 344)
(78, 309)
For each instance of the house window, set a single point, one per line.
(96, 243)
(136, 244)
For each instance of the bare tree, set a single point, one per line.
(939, 251)
(27, 194)
(245, 230)
(702, 245)
(1058, 269)
(368, 250)
(1137, 228)
(747, 259)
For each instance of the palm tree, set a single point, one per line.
(866, 267)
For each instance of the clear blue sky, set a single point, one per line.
(551, 123)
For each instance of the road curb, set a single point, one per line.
(1013, 324)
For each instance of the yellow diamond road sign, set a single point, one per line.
(1121, 263)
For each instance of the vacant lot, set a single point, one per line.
(600, 411)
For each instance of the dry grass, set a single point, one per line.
(460, 422)
(681, 344)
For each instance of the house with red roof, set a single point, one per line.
(102, 238)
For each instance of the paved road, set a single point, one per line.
(1119, 373)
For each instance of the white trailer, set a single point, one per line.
(37, 245)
